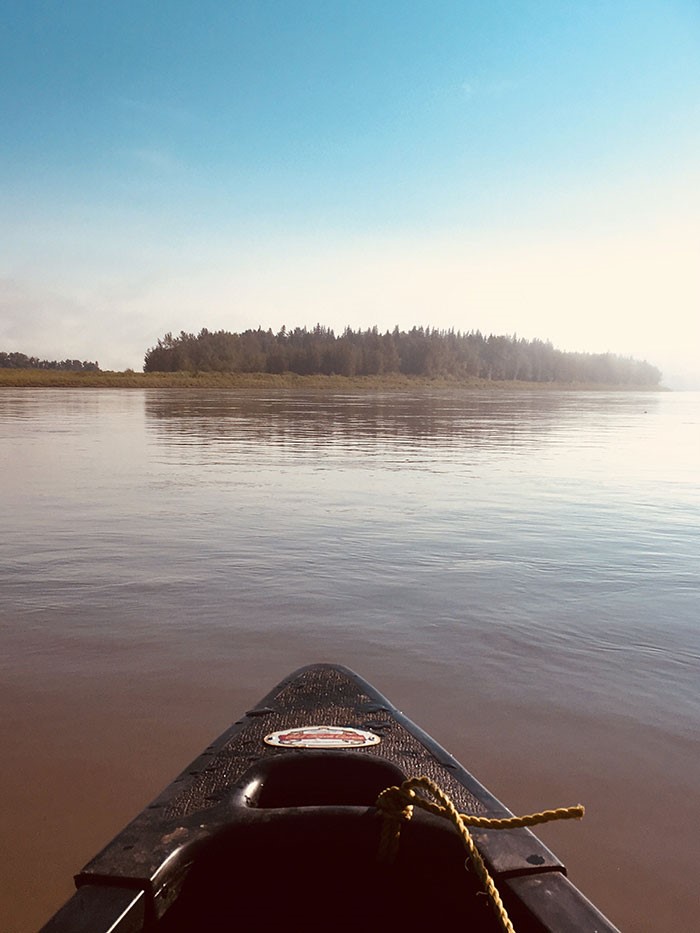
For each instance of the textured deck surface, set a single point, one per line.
(203, 846)
(317, 697)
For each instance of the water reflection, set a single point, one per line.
(442, 419)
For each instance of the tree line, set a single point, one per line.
(22, 361)
(421, 351)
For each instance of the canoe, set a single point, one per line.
(277, 826)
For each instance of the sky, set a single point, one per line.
(526, 167)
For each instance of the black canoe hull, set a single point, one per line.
(281, 838)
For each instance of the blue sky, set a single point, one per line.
(527, 167)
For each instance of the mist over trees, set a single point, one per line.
(22, 361)
(421, 351)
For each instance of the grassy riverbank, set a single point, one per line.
(57, 379)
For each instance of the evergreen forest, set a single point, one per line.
(421, 351)
(22, 361)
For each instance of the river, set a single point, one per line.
(517, 571)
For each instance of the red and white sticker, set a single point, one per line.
(322, 737)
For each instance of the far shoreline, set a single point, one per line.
(62, 379)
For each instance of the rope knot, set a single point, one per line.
(396, 807)
(396, 802)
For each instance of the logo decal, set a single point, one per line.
(322, 737)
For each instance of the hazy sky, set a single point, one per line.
(513, 166)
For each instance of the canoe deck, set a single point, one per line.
(283, 838)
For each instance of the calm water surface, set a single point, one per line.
(518, 571)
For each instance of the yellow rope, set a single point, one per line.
(396, 805)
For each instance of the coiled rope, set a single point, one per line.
(396, 805)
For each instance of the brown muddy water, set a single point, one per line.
(519, 572)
